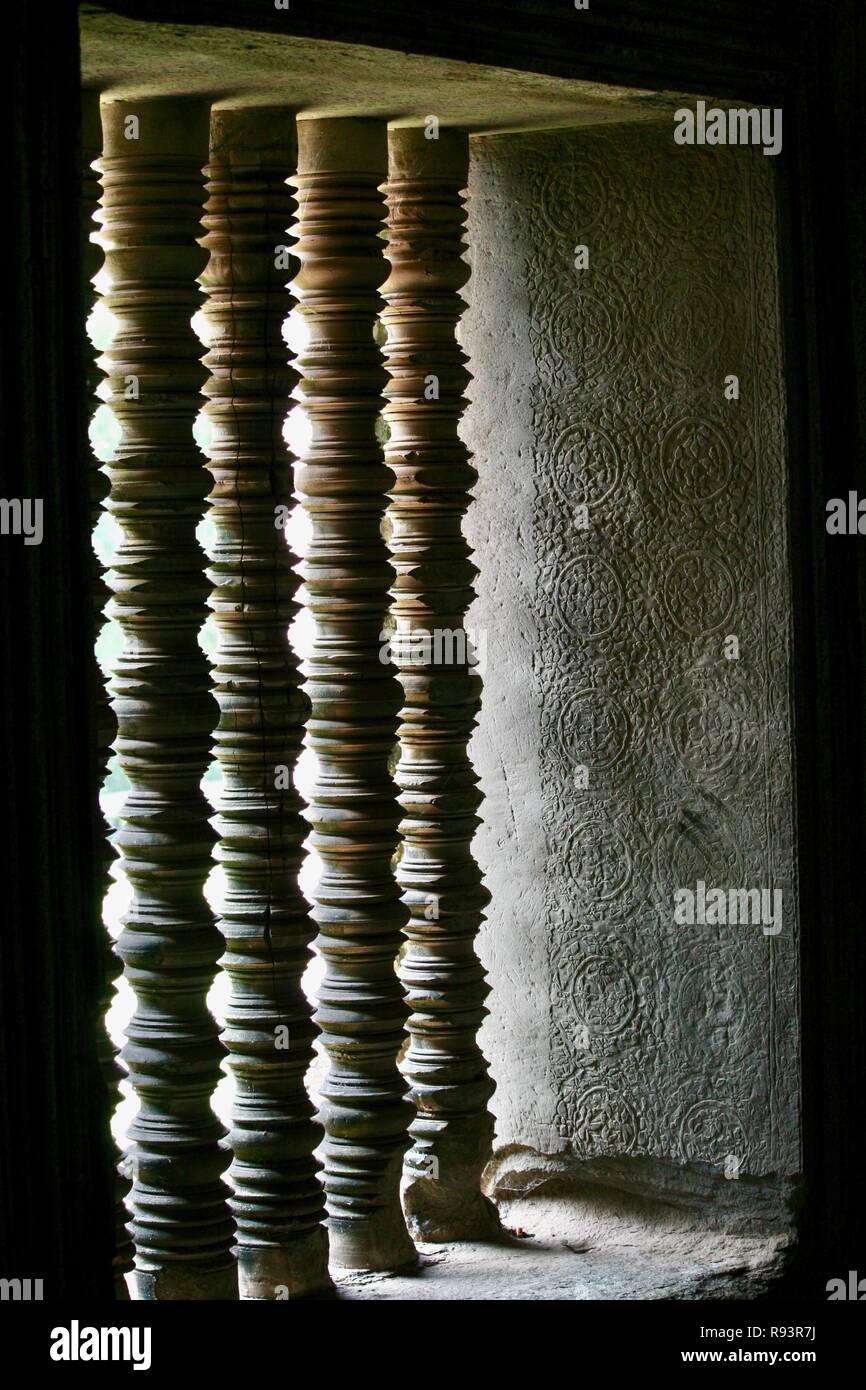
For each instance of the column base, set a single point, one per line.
(176, 1283)
(441, 1217)
(451, 1205)
(298, 1269)
(375, 1243)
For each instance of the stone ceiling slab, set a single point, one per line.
(133, 58)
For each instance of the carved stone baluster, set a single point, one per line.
(153, 193)
(355, 697)
(278, 1202)
(105, 725)
(443, 978)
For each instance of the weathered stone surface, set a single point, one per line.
(618, 1256)
(753, 1207)
(615, 1031)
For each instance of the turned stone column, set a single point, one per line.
(277, 1201)
(444, 981)
(154, 152)
(105, 725)
(343, 482)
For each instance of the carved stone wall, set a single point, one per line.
(629, 520)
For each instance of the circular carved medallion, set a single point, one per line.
(580, 331)
(704, 732)
(572, 198)
(589, 597)
(597, 860)
(691, 850)
(686, 203)
(696, 460)
(592, 729)
(584, 466)
(688, 323)
(603, 993)
(699, 593)
(604, 1123)
(712, 1132)
(712, 1012)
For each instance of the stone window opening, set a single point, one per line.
(614, 530)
